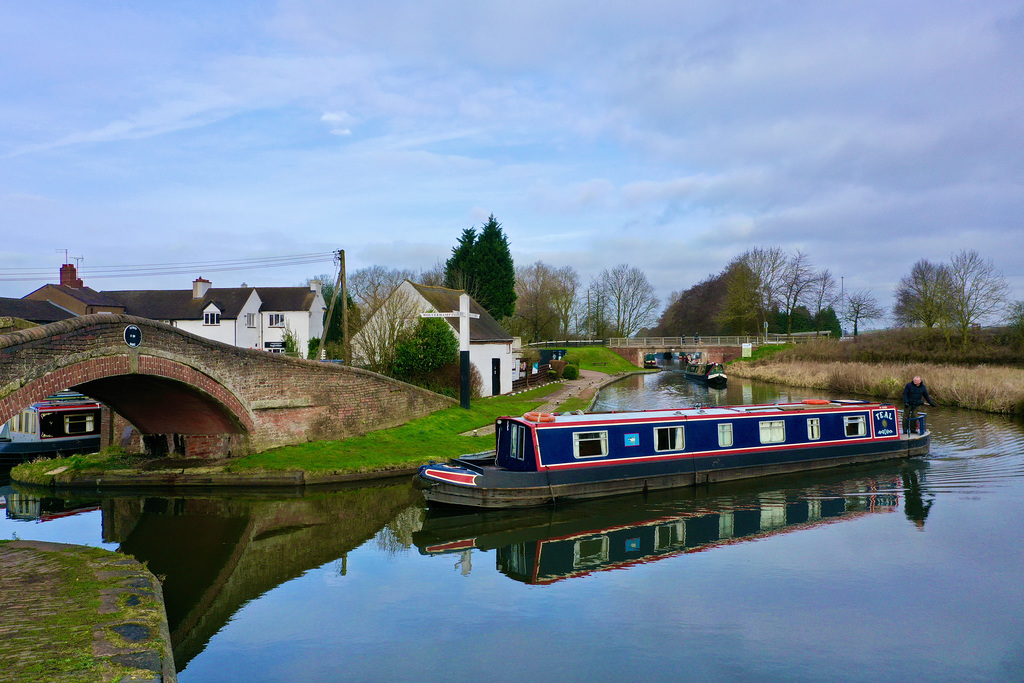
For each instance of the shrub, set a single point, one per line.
(571, 372)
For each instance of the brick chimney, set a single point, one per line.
(69, 277)
(200, 287)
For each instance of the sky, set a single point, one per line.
(667, 135)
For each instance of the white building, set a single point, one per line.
(492, 350)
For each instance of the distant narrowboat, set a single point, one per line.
(712, 374)
(650, 360)
(543, 457)
(67, 422)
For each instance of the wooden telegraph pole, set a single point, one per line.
(339, 286)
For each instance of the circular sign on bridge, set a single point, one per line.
(132, 336)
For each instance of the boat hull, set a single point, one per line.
(487, 486)
(16, 452)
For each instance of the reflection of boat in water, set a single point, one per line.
(543, 457)
(27, 506)
(67, 422)
(712, 374)
(544, 546)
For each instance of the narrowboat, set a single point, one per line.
(650, 360)
(712, 374)
(541, 458)
(67, 422)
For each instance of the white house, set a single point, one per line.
(249, 317)
(491, 349)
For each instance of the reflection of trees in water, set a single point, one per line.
(396, 536)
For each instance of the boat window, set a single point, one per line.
(590, 444)
(725, 434)
(588, 552)
(516, 437)
(856, 425)
(773, 431)
(28, 422)
(668, 439)
(814, 428)
(670, 536)
(80, 424)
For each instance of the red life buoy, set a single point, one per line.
(539, 417)
(816, 401)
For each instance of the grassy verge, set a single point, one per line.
(599, 359)
(994, 389)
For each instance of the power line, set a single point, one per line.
(179, 268)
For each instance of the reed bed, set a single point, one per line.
(994, 389)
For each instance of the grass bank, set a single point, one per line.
(994, 389)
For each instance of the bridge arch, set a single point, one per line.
(175, 382)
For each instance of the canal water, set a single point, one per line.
(905, 571)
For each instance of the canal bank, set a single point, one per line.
(76, 613)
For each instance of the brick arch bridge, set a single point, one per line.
(196, 396)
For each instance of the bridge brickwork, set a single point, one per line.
(716, 354)
(213, 396)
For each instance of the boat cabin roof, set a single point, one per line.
(580, 418)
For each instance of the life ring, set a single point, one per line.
(816, 401)
(539, 417)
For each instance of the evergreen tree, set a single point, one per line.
(496, 273)
(461, 269)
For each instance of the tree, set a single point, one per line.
(738, 313)
(430, 347)
(976, 292)
(371, 286)
(822, 294)
(629, 299)
(563, 297)
(375, 345)
(796, 280)
(768, 267)
(861, 305)
(535, 317)
(496, 273)
(921, 296)
(1015, 322)
(483, 267)
(333, 337)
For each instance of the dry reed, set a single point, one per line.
(994, 389)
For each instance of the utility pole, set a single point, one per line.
(339, 286)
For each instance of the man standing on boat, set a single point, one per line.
(915, 394)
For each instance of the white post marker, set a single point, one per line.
(463, 315)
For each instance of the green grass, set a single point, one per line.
(434, 437)
(762, 352)
(600, 359)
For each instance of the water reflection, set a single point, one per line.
(549, 545)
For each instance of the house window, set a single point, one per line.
(668, 439)
(773, 431)
(725, 434)
(276, 319)
(590, 444)
(211, 318)
(856, 425)
(814, 428)
(250, 320)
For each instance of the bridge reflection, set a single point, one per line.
(545, 546)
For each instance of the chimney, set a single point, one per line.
(200, 287)
(69, 277)
(316, 286)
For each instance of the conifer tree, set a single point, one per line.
(461, 269)
(496, 274)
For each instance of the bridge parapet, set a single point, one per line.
(175, 382)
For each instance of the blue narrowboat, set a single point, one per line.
(543, 457)
(712, 374)
(64, 423)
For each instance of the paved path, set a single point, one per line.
(128, 639)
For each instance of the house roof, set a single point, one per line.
(482, 329)
(178, 304)
(286, 298)
(86, 295)
(41, 312)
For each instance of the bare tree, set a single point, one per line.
(822, 292)
(629, 298)
(535, 315)
(370, 286)
(563, 297)
(922, 295)
(374, 346)
(862, 306)
(767, 267)
(432, 277)
(977, 291)
(796, 279)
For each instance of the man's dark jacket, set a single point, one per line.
(916, 394)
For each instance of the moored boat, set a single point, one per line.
(67, 422)
(650, 360)
(712, 374)
(543, 457)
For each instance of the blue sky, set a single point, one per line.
(671, 136)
